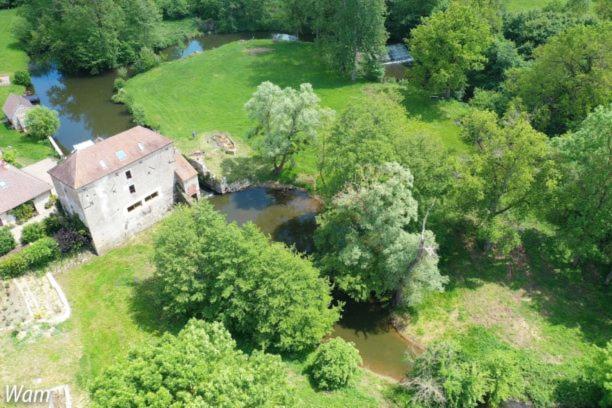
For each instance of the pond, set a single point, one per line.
(289, 216)
(83, 102)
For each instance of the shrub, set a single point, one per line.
(119, 84)
(23, 212)
(7, 242)
(147, 59)
(9, 155)
(34, 256)
(33, 232)
(22, 78)
(138, 114)
(200, 367)
(334, 364)
(52, 224)
(70, 240)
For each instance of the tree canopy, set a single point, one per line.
(288, 120)
(447, 46)
(501, 181)
(42, 122)
(223, 272)
(569, 77)
(581, 203)
(199, 367)
(365, 241)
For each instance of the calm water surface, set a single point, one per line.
(289, 216)
(83, 102)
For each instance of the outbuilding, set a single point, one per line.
(15, 109)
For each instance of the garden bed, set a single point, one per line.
(29, 300)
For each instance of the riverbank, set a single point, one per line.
(13, 59)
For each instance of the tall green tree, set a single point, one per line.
(261, 291)
(500, 182)
(369, 242)
(447, 46)
(581, 203)
(353, 27)
(287, 119)
(569, 77)
(87, 35)
(375, 130)
(404, 15)
(42, 122)
(201, 366)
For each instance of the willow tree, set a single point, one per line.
(287, 119)
(369, 241)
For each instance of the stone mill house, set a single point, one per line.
(124, 184)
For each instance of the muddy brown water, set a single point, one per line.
(289, 216)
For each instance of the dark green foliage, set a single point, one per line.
(404, 15)
(147, 59)
(334, 365)
(175, 9)
(32, 232)
(235, 275)
(7, 242)
(89, 36)
(24, 212)
(530, 29)
(5, 4)
(490, 100)
(351, 27)
(199, 367)
(501, 56)
(581, 203)
(37, 255)
(568, 78)
(22, 78)
(119, 84)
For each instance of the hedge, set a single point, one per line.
(33, 232)
(7, 242)
(37, 255)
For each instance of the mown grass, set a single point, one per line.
(13, 58)
(207, 92)
(115, 307)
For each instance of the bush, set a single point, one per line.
(52, 224)
(22, 78)
(138, 114)
(33, 232)
(119, 84)
(7, 242)
(147, 59)
(200, 367)
(334, 365)
(70, 240)
(24, 212)
(9, 155)
(37, 255)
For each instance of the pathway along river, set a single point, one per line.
(86, 112)
(289, 216)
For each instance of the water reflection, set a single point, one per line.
(83, 104)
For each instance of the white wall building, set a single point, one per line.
(119, 186)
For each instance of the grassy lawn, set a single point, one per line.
(207, 92)
(532, 306)
(114, 307)
(12, 59)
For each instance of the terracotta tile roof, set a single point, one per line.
(103, 158)
(18, 187)
(13, 103)
(183, 169)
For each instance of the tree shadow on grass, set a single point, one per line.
(252, 168)
(291, 64)
(556, 293)
(147, 310)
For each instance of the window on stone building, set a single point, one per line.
(134, 206)
(128, 174)
(132, 189)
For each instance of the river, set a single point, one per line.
(289, 216)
